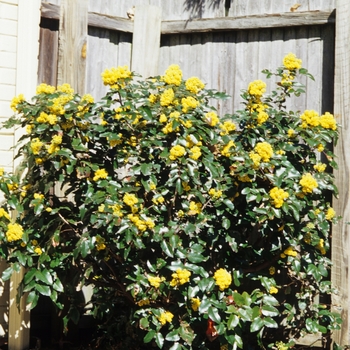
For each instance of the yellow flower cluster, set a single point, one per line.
(155, 281)
(130, 199)
(100, 174)
(320, 167)
(291, 133)
(226, 149)
(195, 303)
(66, 89)
(320, 246)
(281, 346)
(273, 290)
(115, 77)
(278, 196)
(16, 101)
(227, 127)
(264, 150)
(167, 97)
(180, 277)
(255, 158)
(142, 225)
(327, 121)
(45, 89)
(173, 75)
(291, 62)
(195, 208)
(257, 88)
(176, 151)
(310, 118)
(195, 152)
(212, 118)
(58, 106)
(165, 317)
(194, 85)
(222, 278)
(100, 243)
(47, 118)
(14, 232)
(36, 145)
(330, 214)
(289, 251)
(4, 214)
(189, 103)
(215, 193)
(308, 183)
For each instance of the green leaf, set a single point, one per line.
(268, 310)
(44, 290)
(214, 314)
(232, 322)
(159, 340)
(57, 285)
(149, 336)
(270, 323)
(44, 276)
(173, 335)
(6, 274)
(257, 324)
(32, 299)
(167, 248)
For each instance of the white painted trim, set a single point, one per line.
(26, 80)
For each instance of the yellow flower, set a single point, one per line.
(195, 152)
(264, 150)
(165, 317)
(226, 149)
(39, 196)
(273, 290)
(278, 196)
(272, 270)
(115, 77)
(176, 152)
(291, 62)
(173, 75)
(38, 250)
(155, 281)
(320, 246)
(212, 118)
(222, 278)
(194, 85)
(290, 252)
(152, 98)
(255, 158)
(65, 88)
(57, 139)
(281, 346)
(291, 133)
(189, 103)
(310, 118)
(320, 167)
(87, 98)
(256, 88)
(167, 97)
(143, 302)
(227, 127)
(16, 101)
(130, 199)
(308, 183)
(330, 213)
(195, 208)
(2, 171)
(36, 145)
(214, 193)
(100, 174)
(262, 117)
(14, 232)
(320, 147)
(152, 186)
(327, 121)
(180, 277)
(195, 303)
(45, 89)
(4, 214)
(163, 118)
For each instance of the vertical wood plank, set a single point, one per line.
(340, 234)
(73, 44)
(146, 40)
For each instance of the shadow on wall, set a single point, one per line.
(196, 7)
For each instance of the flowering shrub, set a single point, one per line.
(196, 231)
